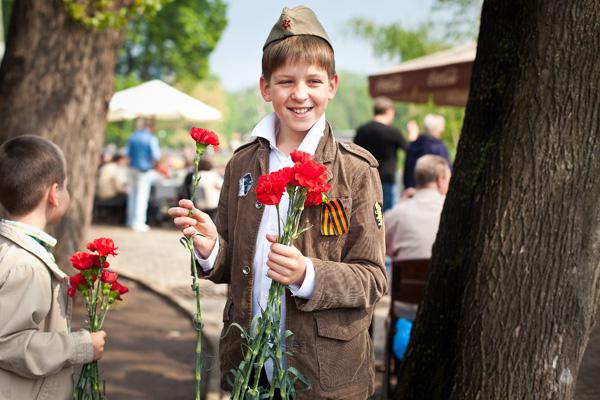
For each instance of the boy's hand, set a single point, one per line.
(98, 339)
(198, 225)
(286, 264)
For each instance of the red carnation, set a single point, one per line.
(315, 197)
(118, 289)
(310, 174)
(300, 156)
(269, 190)
(77, 280)
(109, 277)
(90, 246)
(104, 246)
(81, 260)
(205, 136)
(71, 292)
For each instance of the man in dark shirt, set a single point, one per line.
(383, 140)
(428, 142)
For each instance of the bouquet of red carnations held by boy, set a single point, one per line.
(100, 290)
(305, 185)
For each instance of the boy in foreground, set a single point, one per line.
(37, 348)
(334, 277)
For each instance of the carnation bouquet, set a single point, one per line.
(203, 139)
(100, 290)
(305, 184)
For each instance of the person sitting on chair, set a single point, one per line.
(411, 226)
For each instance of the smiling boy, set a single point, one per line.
(334, 277)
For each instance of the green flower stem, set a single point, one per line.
(198, 325)
(267, 342)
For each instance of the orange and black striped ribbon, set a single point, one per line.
(334, 221)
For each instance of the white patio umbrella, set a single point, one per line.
(156, 99)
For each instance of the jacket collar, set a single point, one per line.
(32, 247)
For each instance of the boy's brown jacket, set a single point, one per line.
(332, 344)
(37, 350)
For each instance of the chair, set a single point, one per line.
(408, 279)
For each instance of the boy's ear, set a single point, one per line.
(333, 85)
(52, 195)
(265, 90)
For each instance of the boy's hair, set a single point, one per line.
(300, 48)
(29, 164)
(381, 105)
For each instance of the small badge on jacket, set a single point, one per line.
(334, 221)
(378, 213)
(245, 184)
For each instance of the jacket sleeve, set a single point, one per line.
(25, 299)
(360, 280)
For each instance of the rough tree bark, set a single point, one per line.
(515, 269)
(56, 80)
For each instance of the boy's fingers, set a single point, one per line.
(190, 231)
(178, 211)
(278, 259)
(185, 222)
(284, 280)
(186, 203)
(272, 238)
(282, 249)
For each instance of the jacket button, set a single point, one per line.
(259, 205)
(245, 270)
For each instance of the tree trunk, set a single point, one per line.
(515, 268)
(56, 81)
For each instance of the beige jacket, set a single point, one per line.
(332, 346)
(37, 349)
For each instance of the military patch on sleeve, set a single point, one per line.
(334, 221)
(377, 212)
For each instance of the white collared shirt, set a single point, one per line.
(267, 128)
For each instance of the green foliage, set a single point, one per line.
(459, 18)
(352, 104)
(105, 14)
(7, 6)
(244, 109)
(175, 45)
(395, 42)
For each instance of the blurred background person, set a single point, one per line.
(428, 142)
(110, 202)
(112, 179)
(411, 226)
(144, 152)
(383, 141)
(207, 195)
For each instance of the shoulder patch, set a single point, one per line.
(246, 145)
(360, 152)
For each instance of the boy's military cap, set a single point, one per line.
(299, 20)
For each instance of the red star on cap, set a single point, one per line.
(286, 24)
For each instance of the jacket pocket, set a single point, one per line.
(343, 348)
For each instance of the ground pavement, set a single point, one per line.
(150, 352)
